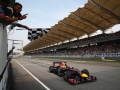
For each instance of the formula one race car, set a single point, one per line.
(59, 68)
(74, 76)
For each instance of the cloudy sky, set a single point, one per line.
(43, 14)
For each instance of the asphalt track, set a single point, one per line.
(33, 74)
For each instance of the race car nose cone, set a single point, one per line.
(84, 75)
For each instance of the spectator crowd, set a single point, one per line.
(107, 48)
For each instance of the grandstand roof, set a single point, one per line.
(95, 15)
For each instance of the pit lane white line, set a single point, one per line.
(34, 77)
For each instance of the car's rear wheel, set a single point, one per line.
(51, 69)
(56, 70)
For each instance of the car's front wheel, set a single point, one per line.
(67, 75)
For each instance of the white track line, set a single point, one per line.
(34, 77)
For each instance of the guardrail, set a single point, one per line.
(3, 57)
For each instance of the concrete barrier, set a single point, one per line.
(3, 57)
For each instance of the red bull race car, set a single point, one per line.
(75, 76)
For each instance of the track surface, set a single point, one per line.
(108, 75)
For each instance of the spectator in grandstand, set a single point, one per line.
(9, 56)
(4, 10)
(12, 14)
(3, 4)
(15, 12)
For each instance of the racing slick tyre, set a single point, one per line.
(85, 71)
(67, 75)
(51, 69)
(56, 70)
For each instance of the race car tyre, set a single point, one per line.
(56, 70)
(85, 71)
(67, 75)
(51, 69)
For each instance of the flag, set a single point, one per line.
(35, 33)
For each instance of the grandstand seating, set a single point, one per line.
(95, 15)
(107, 45)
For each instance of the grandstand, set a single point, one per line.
(95, 15)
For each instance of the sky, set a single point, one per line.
(43, 14)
